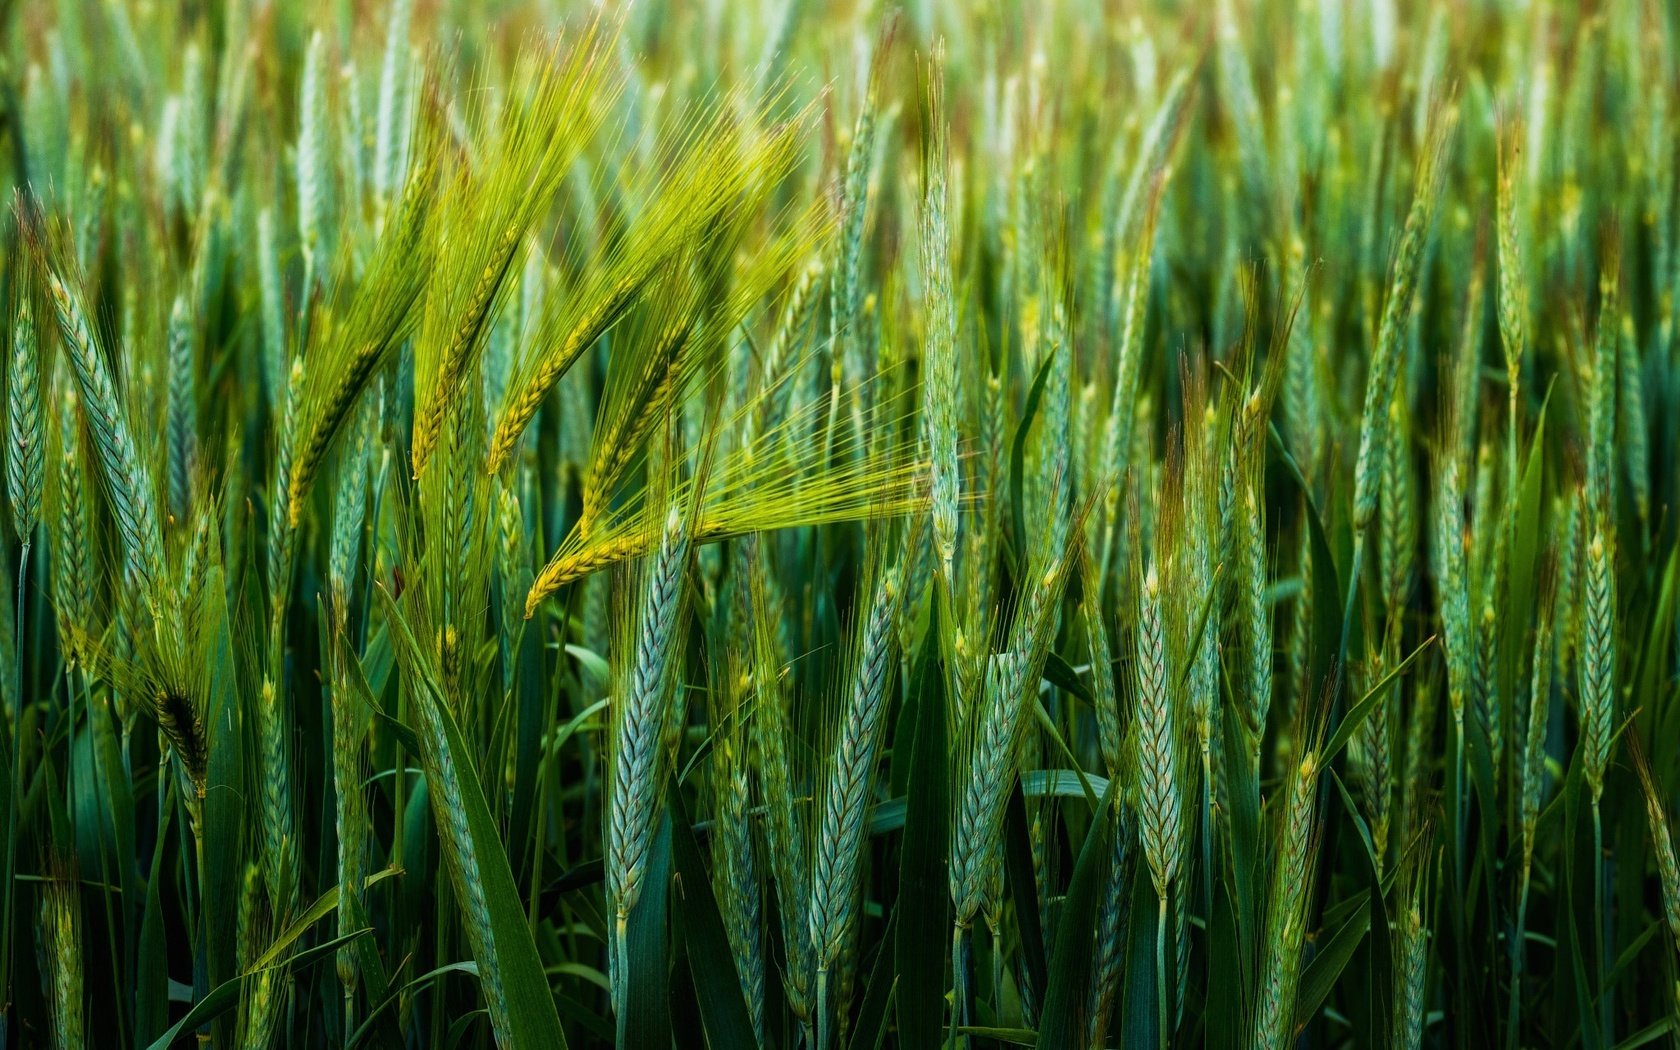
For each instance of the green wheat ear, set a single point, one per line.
(840, 830)
(1287, 905)
(1412, 957)
(128, 480)
(1598, 657)
(62, 949)
(939, 392)
(1159, 803)
(1385, 359)
(1662, 837)
(644, 715)
(25, 456)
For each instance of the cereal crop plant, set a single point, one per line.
(1098, 523)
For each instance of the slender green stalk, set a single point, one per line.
(1162, 994)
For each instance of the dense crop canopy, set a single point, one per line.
(540, 523)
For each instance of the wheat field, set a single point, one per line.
(1081, 524)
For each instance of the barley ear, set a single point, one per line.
(25, 456)
(1385, 359)
(61, 944)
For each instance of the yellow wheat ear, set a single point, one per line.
(788, 480)
(680, 343)
(560, 95)
(378, 315)
(724, 167)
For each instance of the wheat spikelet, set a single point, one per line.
(25, 456)
(1257, 618)
(1568, 506)
(351, 820)
(394, 87)
(1008, 693)
(1385, 360)
(1411, 964)
(1601, 386)
(1372, 751)
(1103, 693)
(278, 824)
(939, 385)
(725, 168)
(260, 998)
(1121, 420)
(278, 828)
(276, 354)
(182, 406)
(349, 506)
(656, 393)
(834, 876)
(1303, 410)
(1533, 755)
(73, 581)
(61, 948)
(747, 491)
(845, 277)
(376, 322)
(555, 106)
(1158, 800)
(1112, 922)
(733, 851)
(1453, 585)
(1662, 838)
(127, 481)
(1634, 433)
(1052, 486)
(785, 832)
(1598, 656)
(314, 161)
(1300, 650)
(1488, 701)
(1463, 387)
(1397, 546)
(1513, 293)
(1237, 95)
(1198, 542)
(778, 360)
(980, 811)
(643, 713)
(1286, 909)
(283, 533)
(186, 168)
